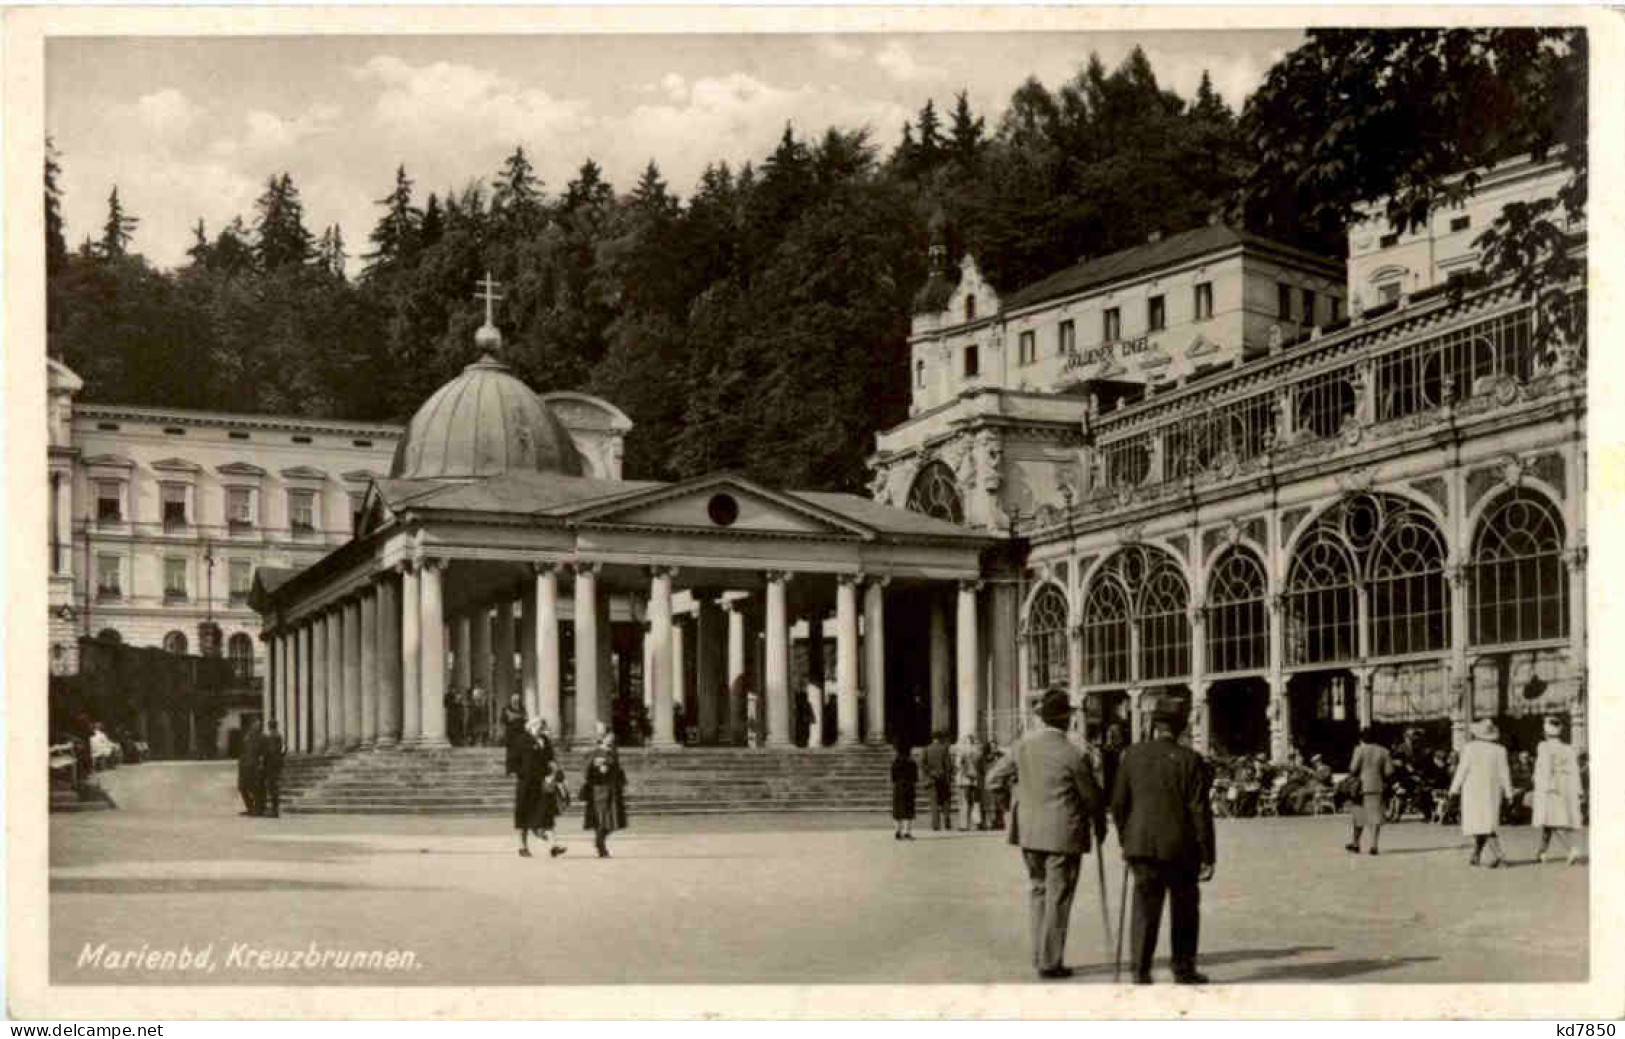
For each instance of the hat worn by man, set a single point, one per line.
(1055, 705)
(1554, 725)
(1484, 729)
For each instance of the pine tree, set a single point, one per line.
(117, 231)
(330, 254)
(516, 197)
(651, 197)
(56, 244)
(395, 239)
(199, 252)
(930, 137)
(588, 189)
(281, 238)
(434, 224)
(966, 134)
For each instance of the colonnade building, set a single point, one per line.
(1219, 487)
(490, 531)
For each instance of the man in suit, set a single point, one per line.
(248, 768)
(271, 752)
(1165, 826)
(939, 772)
(1057, 803)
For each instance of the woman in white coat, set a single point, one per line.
(1556, 808)
(1484, 780)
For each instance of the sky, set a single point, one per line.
(191, 128)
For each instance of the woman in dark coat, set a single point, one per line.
(513, 733)
(536, 791)
(905, 777)
(603, 794)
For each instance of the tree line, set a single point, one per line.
(760, 324)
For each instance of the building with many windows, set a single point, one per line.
(1293, 519)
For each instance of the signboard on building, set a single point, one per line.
(1105, 352)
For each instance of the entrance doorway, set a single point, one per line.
(1325, 715)
(1238, 717)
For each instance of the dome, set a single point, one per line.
(485, 422)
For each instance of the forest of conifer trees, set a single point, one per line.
(760, 322)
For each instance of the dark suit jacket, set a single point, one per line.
(1161, 804)
(1058, 799)
(939, 762)
(272, 751)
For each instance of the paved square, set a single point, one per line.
(756, 899)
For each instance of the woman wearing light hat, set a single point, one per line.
(1557, 790)
(1483, 779)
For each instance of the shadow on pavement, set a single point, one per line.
(1336, 970)
(1205, 960)
(195, 886)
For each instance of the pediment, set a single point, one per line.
(239, 469)
(109, 462)
(1201, 346)
(723, 504)
(177, 465)
(303, 472)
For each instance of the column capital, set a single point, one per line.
(405, 566)
(1276, 601)
(851, 579)
(544, 566)
(427, 562)
(664, 570)
(587, 567)
(876, 580)
(778, 576)
(1575, 558)
(1456, 574)
(971, 586)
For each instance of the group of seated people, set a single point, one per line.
(84, 747)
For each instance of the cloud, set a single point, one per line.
(898, 62)
(430, 104)
(840, 50)
(675, 86)
(167, 114)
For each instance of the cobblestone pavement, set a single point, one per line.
(811, 899)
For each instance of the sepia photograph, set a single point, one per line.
(1071, 504)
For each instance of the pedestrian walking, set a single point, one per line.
(939, 773)
(1557, 791)
(968, 778)
(1370, 768)
(1164, 820)
(603, 795)
(905, 777)
(992, 800)
(1484, 780)
(514, 734)
(1057, 805)
(248, 768)
(536, 789)
(272, 751)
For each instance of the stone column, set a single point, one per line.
(969, 657)
(1197, 722)
(369, 668)
(1137, 729)
(462, 648)
(352, 672)
(846, 658)
(1280, 709)
(388, 652)
(606, 660)
(1364, 689)
(585, 608)
(411, 655)
(736, 667)
(941, 667)
(527, 649)
(480, 652)
(336, 733)
(432, 658)
(316, 632)
(1579, 729)
(268, 701)
(995, 698)
(710, 684)
(776, 697)
(660, 653)
(546, 622)
(679, 670)
(874, 656)
(1201, 733)
(502, 650)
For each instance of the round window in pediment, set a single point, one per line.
(723, 509)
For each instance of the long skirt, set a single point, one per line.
(1368, 812)
(902, 801)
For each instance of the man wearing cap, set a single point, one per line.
(1058, 802)
(1164, 823)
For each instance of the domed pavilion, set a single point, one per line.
(498, 553)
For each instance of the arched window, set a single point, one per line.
(1410, 603)
(1322, 606)
(109, 635)
(934, 493)
(1519, 587)
(1237, 629)
(1165, 628)
(240, 650)
(1143, 588)
(1390, 547)
(175, 642)
(1046, 639)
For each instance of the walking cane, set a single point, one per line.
(1100, 871)
(1122, 911)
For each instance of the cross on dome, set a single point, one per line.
(488, 337)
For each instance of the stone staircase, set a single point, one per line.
(667, 781)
